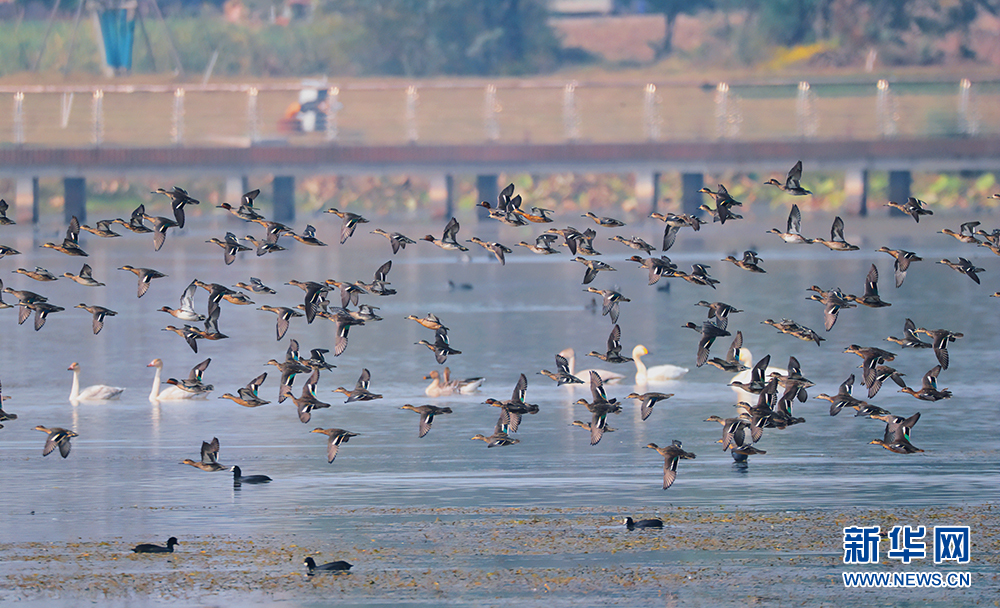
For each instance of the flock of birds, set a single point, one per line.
(767, 393)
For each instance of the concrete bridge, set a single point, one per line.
(900, 157)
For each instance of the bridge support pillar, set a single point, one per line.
(899, 189)
(856, 192)
(449, 195)
(75, 198)
(645, 189)
(284, 198)
(691, 199)
(26, 200)
(655, 206)
(486, 187)
(236, 186)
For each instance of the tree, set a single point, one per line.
(671, 9)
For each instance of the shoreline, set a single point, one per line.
(471, 556)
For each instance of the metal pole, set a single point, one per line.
(98, 117)
(178, 124)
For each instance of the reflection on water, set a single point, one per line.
(124, 475)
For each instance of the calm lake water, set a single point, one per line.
(123, 477)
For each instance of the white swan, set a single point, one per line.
(171, 393)
(98, 392)
(746, 358)
(657, 373)
(608, 376)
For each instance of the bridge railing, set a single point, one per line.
(503, 111)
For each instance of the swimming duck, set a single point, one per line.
(427, 414)
(239, 478)
(150, 548)
(308, 237)
(447, 240)
(871, 298)
(209, 457)
(648, 400)
(145, 275)
(912, 207)
(642, 523)
(136, 222)
(497, 439)
(466, 386)
(607, 222)
(928, 388)
(965, 267)
(338, 566)
(750, 261)
(441, 346)
(562, 375)
(58, 438)
(658, 267)
(793, 229)
(396, 240)
(38, 274)
(837, 242)
(611, 300)
(85, 278)
(174, 393)
(791, 185)
(4, 220)
(71, 244)
(99, 313)
(732, 363)
(284, 314)
(230, 247)
(657, 373)
(671, 455)
(247, 396)
(360, 392)
(940, 339)
(335, 438)
(178, 199)
(613, 354)
(103, 229)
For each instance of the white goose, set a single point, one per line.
(608, 376)
(657, 373)
(98, 392)
(171, 393)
